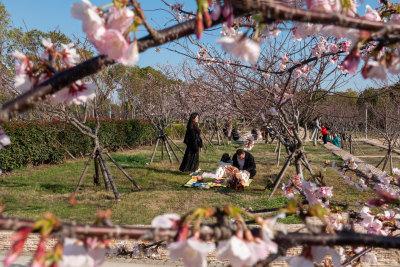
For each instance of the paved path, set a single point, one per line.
(25, 260)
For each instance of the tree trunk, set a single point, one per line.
(280, 176)
(96, 176)
(114, 188)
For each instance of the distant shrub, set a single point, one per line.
(46, 142)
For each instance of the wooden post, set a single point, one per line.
(85, 170)
(166, 149)
(122, 170)
(172, 141)
(162, 149)
(172, 149)
(280, 176)
(279, 154)
(114, 188)
(105, 177)
(154, 151)
(96, 176)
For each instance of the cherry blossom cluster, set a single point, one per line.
(235, 42)
(71, 252)
(315, 195)
(302, 71)
(109, 30)
(29, 74)
(386, 188)
(242, 249)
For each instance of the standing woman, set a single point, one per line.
(193, 143)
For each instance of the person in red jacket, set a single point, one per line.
(324, 133)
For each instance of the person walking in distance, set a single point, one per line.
(316, 127)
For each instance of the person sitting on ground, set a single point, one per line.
(244, 161)
(235, 134)
(324, 133)
(335, 140)
(249, 143)
(221, 169)
(254, 133)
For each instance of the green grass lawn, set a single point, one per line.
(365, 151)
(28, 192)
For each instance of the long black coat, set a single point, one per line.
(249, 163)
(190, 161)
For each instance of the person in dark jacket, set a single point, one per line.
(193, 143)
(243, 160)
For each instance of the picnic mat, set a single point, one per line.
(205, 183)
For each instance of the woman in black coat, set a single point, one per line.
(193, 143)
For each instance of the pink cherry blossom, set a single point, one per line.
(70, 56)
(46, 42)
(395, 18)
(371, 14)
(260, 250)
(216, 13)
(40, 254)
(165, 221)
(96, 252)
(288, 190)
(77, 94)
(268, 225)
(333, 48)
(319, 5)
(345, 46)
(374, 70)
(76, 254)
(193, 251)
(319, 48)
(23, 82)
(304, 30)
(92, 24)
(131, 55)
(16, 249)
(236, 250)
(394, 67)
(325, 192)
(247, 49)
(316, 254)
(119, 19)
(227, 13)
(284, 58)
(282, 66)
(333, 59)
(309, 189)
(112, 44)
(351, 62)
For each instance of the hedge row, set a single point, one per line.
(46, 142)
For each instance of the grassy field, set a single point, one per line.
(373, 155)
(29, 192)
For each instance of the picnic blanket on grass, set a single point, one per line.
(206, 183)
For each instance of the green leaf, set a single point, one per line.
(118, 3)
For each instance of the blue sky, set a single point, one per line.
(49, 15)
